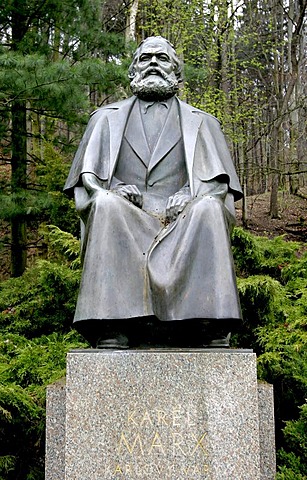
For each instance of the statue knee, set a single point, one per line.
(209, 205)
(105, 200)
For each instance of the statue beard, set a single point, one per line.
(154, 87)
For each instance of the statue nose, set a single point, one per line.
(154, 59)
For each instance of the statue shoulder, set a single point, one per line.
(112, 106)
(206, 116)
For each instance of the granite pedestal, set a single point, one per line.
(156, 414)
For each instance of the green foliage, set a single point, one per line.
(296, 433)
(294, 466)
(285, 473)
(53, 168)
(35, 322)
(272, 286)
(7, 464)
(246, 252)
(24, 204)
(260, 255)
(58, 60)
(277, 254)
(62, 213)
(64, 246)
(41, 301)
(26, 368)
(296, 270)
(56, 88)
(51, 207)
(51, 174)
(260, 298)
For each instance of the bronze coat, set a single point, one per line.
(132, 265)
(206, 152)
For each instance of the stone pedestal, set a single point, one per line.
(160, 415)
(55, 431)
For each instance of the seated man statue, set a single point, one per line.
(155, 187)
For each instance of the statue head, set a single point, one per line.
(155, 71)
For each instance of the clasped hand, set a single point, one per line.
(131, 193)
(176, 203)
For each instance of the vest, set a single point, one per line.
(161, 172)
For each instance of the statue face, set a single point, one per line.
(154, 59)
(155, 77)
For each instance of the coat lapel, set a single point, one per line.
(169, 137)
(117, 122)
(190, 123)
(136, 137)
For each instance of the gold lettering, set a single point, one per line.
(190, 420)
(199, 444)
(196, 470)
(156, 443)
(118, 470)
(124, 441)
(161, 418)
(146, 418)
(177, 442)
(128, 469)
(206, 468)
(131, 418)
(176, 418)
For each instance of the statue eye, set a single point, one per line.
(144, 57)
(164, 57)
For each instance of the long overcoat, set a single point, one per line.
(132, 265)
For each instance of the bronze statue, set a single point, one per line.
(155, 186)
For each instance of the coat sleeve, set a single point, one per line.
(212, 158)
(93, 153)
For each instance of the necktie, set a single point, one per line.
(154, 116)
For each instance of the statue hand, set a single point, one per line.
(131, 193)
(91, 183)
(176, 203)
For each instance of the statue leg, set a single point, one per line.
(190, 266)
(114, 283)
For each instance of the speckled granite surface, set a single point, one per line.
(267, 431)
(55, 431)
(162, 415)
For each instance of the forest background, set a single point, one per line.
(245, 62)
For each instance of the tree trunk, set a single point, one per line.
(131, 22)
(285, 98)
(18, 184)
(274, 196)
(19, 157)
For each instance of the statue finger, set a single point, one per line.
(122, 192)
(134, 189)
(173, 212)
(139, 201)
